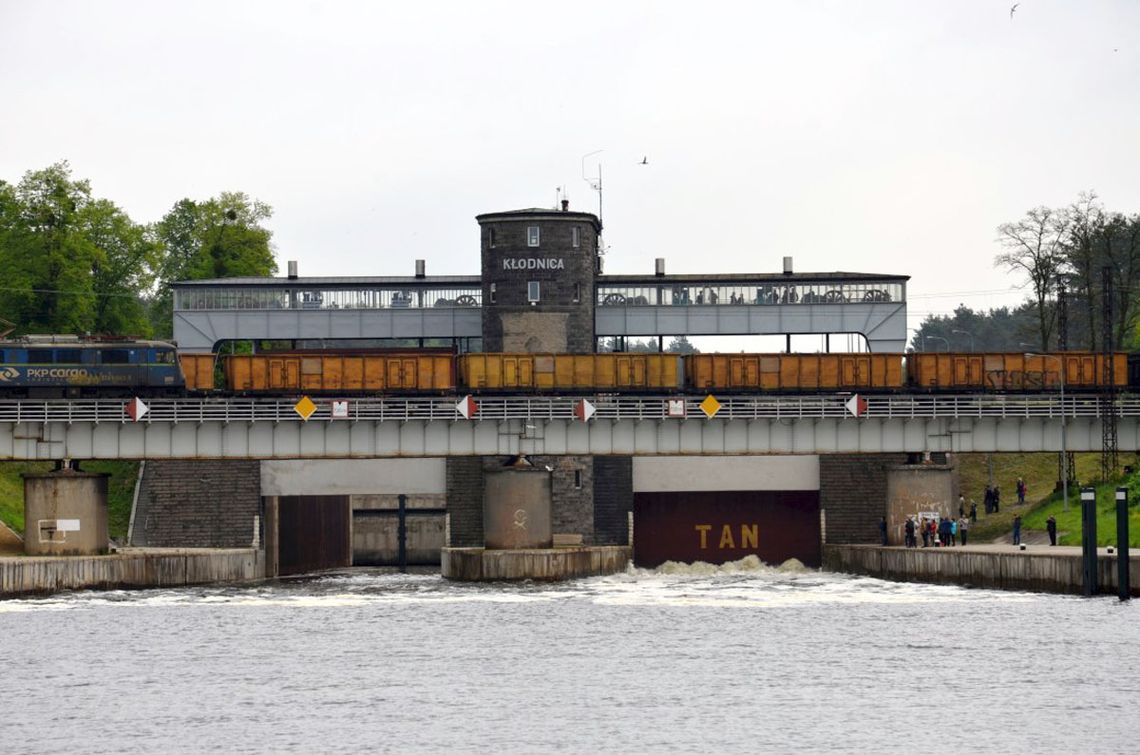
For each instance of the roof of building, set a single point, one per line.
(541, 212)
(335, 281)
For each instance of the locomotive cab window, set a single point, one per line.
(164, 356)
(117, 356)
(41, 356)
(68, 356)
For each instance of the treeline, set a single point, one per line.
(76, 263)
(1065, 255)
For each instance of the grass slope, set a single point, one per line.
(1040, 474)
(120, 492)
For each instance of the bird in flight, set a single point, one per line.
(644, 161)
(1012, 9)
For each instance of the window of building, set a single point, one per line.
(532, 292)
(577, 292)
(575, 237)
(491, 238)
(532, 236)
(578, 478)
(492, 293)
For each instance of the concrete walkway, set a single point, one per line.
(1031, 549)
(1000, 566)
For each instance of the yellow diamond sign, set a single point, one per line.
(305, 407)
(710, 406)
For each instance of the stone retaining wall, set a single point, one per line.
(1015, 570)
(128, 569)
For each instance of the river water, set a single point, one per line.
(689, 659)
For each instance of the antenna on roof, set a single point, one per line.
(595, 183)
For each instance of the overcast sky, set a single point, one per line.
(884, 137)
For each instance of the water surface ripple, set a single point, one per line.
(681, 659)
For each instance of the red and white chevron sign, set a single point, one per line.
(467, 407)
(583, 410)
(857, 405)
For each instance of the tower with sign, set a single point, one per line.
(538, 269)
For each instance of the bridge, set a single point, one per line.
(243, 428)
(209, 312)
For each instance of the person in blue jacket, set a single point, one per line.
(1017, 530)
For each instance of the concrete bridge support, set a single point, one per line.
(65, 513)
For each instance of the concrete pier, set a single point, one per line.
(479, 564)
(65, 513)
(1038, 568)
(128, 569)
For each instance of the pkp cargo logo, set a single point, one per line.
(8, 373)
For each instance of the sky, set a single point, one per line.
(875, 136)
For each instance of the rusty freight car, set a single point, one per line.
(1013, 371)
(626, 372)
(198, 371)
(794, 372)
(423, 371)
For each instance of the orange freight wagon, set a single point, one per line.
(794, 372)
(330, 372)
(571, 372)
(1013, 371)
(198, 371)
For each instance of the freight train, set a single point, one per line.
(68, 366)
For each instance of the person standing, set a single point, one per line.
(961, 506)
(944, 532)
(925, 533)
(909, 529)
(1020, 492)
(964, 529)
(1051, 527)
(883, 531)
(1017, 530)
(953, 531)
(988, 500)
(973, 513)
(997, 499)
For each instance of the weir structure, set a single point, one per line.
(541, 288)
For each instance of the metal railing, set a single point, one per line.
(609, 407)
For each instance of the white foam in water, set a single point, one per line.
(750, 563)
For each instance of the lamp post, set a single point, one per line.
(1064, 448)
(920, 335)
(966, 333)
(943, 340)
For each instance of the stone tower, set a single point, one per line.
(538, 269)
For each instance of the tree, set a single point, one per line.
(221, 237)
(1096, 239)
(1035, 245)
(1000, 329)
(72, 263)
(682, 345)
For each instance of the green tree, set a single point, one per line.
(682, 345)
(221, 237)
(72, 263)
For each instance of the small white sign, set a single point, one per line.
(339, 409)
(675, 407)
(67, 525)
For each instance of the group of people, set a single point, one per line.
(935, 532)
(938, 531)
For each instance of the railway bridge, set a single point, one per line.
(402, 427)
